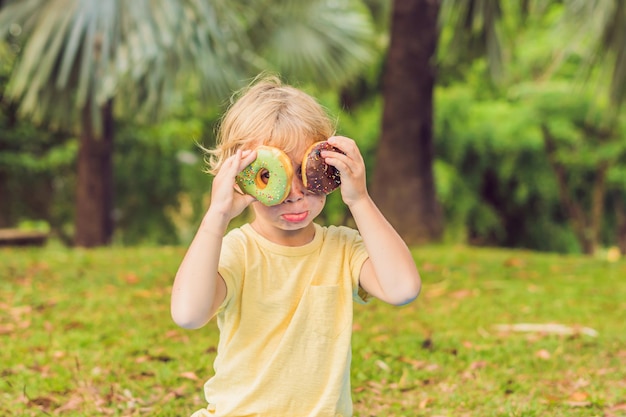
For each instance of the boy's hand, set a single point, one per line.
(225, 198)
(351, 166)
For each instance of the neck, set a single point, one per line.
(282, 237)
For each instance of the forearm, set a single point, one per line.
(196, 286)
(395, 277)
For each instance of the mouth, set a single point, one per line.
(295, 217)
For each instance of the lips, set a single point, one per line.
(295, 217)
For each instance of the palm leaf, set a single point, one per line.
(85, 52)
(475, 32)
(320, 41)
(596, 29)
(79, 52)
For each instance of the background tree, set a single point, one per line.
(591, 34)
(403, 184)
(406, 155)
(598, 29)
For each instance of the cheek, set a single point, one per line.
(261, 209)
(317, 202)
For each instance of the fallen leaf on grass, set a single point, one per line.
(478, 365)
(19, 311)
(175, 393)
(142, 359)
(381, 338)
(618, 407)
(382, 365)
(375, 387)
(460, 294)
(177, 335)
(580, 404)
(144, 294)
(190, 375)
(131, 278)
(418, 364)
(428, 267)
(74, 403)
(514, 262)
(550, 328)
(7, 328)
(44, 402)
(142, 376)
(579, 396)
(447, 388)
(425, 402)
(543, 354)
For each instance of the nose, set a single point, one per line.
(297, 191)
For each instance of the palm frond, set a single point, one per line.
(86, 52)
(77, 52)
(475, 31)
(324, 42)
(601, 29)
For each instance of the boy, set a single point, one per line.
(282, 286)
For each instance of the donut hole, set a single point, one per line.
(262, 178)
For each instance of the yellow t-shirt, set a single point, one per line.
(286, 325)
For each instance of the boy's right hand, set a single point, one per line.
(226, 200)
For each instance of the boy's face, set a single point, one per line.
(293, 217)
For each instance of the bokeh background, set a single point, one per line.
(491, 123)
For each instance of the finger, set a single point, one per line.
(246, 158)
(348, 147)
(337, 160)
(342, 161)
(234, 164)
(343, 143)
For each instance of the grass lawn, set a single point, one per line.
(88, 333)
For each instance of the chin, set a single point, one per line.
(295, 226)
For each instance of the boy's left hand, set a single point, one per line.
(351, 166)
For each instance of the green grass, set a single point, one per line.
(88, 332)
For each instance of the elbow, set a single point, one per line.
(409, 293)
(188, 324)
(405, 299)
(187, 320)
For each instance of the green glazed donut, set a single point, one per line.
(268, 178)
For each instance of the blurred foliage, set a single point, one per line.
(494, 178)
(493, 174)
(35, 166)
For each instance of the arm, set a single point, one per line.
(390, 273)
(198, 288)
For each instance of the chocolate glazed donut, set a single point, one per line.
(317, 176)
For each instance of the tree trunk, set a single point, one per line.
(94, 194)
(404, 186)
(620, 215)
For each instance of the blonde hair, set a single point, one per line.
(267, 112)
